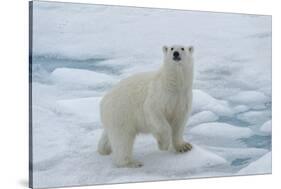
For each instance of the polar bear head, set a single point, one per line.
(178, 54)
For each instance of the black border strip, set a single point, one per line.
(30, 32)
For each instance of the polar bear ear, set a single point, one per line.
(191, 49)
(165, 49)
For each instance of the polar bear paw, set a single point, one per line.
(184, 147)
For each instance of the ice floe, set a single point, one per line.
(202, 117)
(203, 101)
(85, 108)
(266, 128)
(70, 77)
(260, 166)
(221, 130)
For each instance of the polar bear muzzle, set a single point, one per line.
(176, 56)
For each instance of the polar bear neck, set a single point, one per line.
(176, 78)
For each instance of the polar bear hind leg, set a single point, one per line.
(104, 147)
(122, 148)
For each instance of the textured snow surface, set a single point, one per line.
(81, 51)
(260, 166)
(204, 101)
(255, 117)
(266, 128)
(221, 130)
(83, 108)
(202, 117)
(80, 78)
(250, 98)
(99, 169)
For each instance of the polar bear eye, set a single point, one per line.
(172, 48)
(182, 49)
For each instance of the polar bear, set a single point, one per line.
(153, 102)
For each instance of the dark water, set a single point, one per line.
(42, 66)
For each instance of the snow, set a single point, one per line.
(260, 166)
(157, 164)
(81, 78)
(197, 158)
(221, 130)
(240, 108)
(266, 128)
(79, 53)
(202, 117)
(83, 108)
(203, 101)
(232, 154)
(219, 134)
(250, 98)
(255, 117)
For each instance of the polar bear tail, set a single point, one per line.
(104, 147)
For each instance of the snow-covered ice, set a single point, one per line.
(204, 101)
(94, 168)
(240, 108)
(255, 117)
(80, 51)
(260, 166)
(83, 108)
(266, 128)
(221, 130)
(202, 117)
(249, 98)
(80, 78)
(232, 154)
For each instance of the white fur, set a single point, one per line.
(153, 102)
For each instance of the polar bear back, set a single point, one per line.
(123, 105)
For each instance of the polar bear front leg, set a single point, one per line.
(179, 144)
(177, 138)
(160, 128)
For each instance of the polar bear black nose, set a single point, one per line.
(176, 54)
